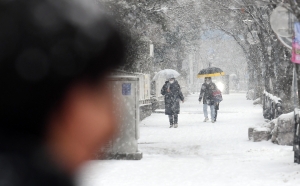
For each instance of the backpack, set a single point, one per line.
(217, 95)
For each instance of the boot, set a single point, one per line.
(171, 126)
(175, 125)
(206, 119)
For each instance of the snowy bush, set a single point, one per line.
(283, 132)
(257, 101)
(250, 95)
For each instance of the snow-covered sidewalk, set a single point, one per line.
(198, 153)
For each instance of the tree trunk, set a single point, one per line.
(258, 79)
(285, 79)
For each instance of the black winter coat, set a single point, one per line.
(206, 93)
(24, 164)
(172, 98)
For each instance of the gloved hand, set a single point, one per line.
(200, 99)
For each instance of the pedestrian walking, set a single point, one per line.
(206, 93)
(172, 92)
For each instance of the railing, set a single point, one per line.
(272, 106)
(145, 102)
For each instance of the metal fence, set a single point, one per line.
(272, 106)
(159, 83)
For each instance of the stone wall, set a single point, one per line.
(280, 130)
(261, 134)
(145, 111)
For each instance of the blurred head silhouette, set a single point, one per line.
(55, 56)
(207, 80)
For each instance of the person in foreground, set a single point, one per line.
(206, 93)
(172, 92)
(56, 107)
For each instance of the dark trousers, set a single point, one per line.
(173, 119)
(217, 106)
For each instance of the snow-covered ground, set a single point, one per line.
(198, 153)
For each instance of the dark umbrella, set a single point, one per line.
(210, 72)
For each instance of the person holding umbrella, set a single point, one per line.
(206, 93)
(209, 91)
(172, 92)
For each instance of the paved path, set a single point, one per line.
(199, 153)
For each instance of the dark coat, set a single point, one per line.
(172, 98)
(25, 164)
(206, 93)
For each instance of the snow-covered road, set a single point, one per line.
(198, 153)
